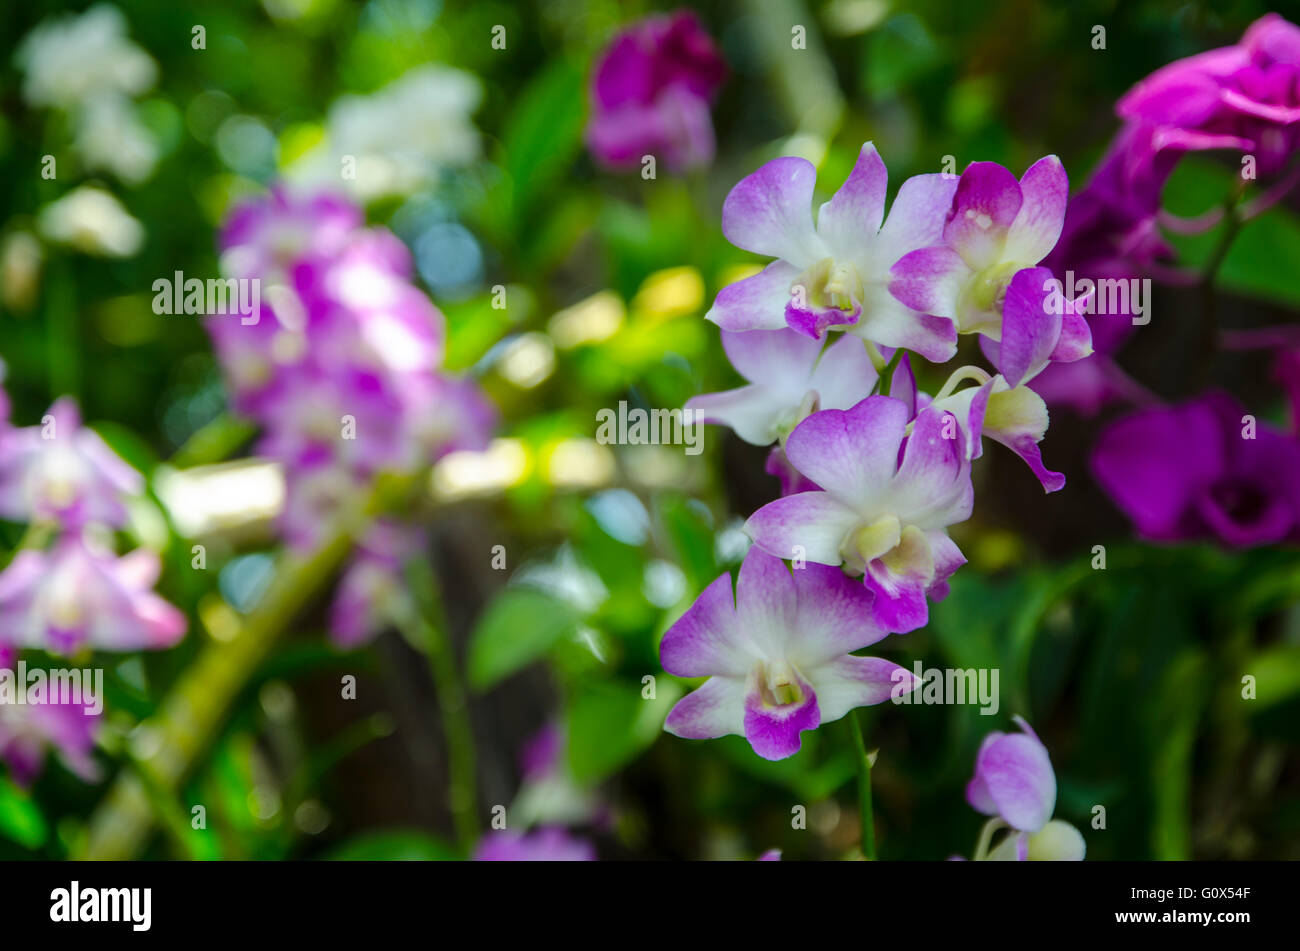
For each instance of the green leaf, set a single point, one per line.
(519, 627)
(1171, 727)
(609, 724)
(1277, 675)
(690, 533)
(20, 816)
(1262, 258)
(394, 846)
(543, 135)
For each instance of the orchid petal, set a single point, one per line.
(1045, 189)
(769, 212)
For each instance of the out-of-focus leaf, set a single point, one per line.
(1262, 257)
(1175, 708)
(811, 774)
(395, 846)
(608, 724)
(543, 135)
(20, 816)
(691, 536)
(520, 626)
(1277, 675)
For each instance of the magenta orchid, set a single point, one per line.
(1015, 784)
(995, 227)
(833, 274)
(777, 654)
(1245, 96)
(887, 497)
(1202, 468)
(650, 94)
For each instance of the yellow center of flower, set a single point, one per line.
(828, 285)
(902, 549)
(778, 684)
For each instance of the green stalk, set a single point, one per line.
(868, 833)
(886, 381)
(427, 629)
(213, 441)
(168, 744)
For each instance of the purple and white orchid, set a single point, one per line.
(62, 472)
(995, 227)
(29, 731)
(890, 487)
(1015, 784)
(834, 273)
(78, 595)
(777, 655)
(789, 378)
(1040, 328)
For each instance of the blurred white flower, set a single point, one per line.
(110, 138)
(397, 139)
(69, 58)
(92, 221)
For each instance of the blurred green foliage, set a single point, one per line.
(1132, 674)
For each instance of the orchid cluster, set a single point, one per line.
(1201, 468)
(66, 592)
(873, 471)
(342, 371)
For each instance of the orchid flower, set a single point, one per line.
(1200, 469)
(886, 500)
(28, 731)
(1015, 784)
(777, 655)
(1040, 327)
(77, 595)
(266, 237)
(833, 274)
(650, 94)
(63, 472)
(789, 378)
(995, 227)
(1245, 96)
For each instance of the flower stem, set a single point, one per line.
(171, 741)
(887, 374)
(867, 837)
(427, 630)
